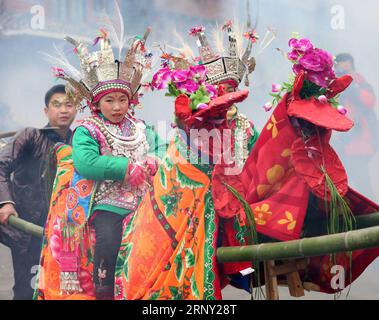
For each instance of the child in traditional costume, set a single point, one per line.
(98, 189)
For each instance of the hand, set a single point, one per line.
(6, 211)
(152, 163)
(136, 175)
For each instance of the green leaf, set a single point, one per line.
(200, 96)
(189, 257)
(154, 295)
(175, 293)
(162, 177)
(168, 163)
(194, 289)
(129, 228)
(170, 203)
(124, 265)
(186, 182)
(173, 91)
(179, 268)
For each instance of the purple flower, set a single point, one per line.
(276, 87)
(300, 45)
(212, 90)
(318, 66)
(293, 55)
(198, 72)
(189, 86)
(312, 61)
(161, 79)
(322, 79)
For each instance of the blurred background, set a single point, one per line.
(30, 27)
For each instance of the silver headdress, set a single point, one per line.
(100, 72)
(233, 65)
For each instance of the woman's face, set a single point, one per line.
(114, 106)
(229, 88)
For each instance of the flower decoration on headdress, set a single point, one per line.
(196, 30)
(317, 66)
(251, 35)
(103, 35)
(189, 81)
(228, 24)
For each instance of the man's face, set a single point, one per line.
(60, 112)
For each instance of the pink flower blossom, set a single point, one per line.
(342, 109)
(212, 90)
(196, 30)
(201, 106)
(189, 86)
(323, 99)
(161, 79)
(198, 72)
(251, 35)
(268, 106)
(179, 76)
(276, 87)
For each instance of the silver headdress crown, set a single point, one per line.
(230, 67)
(100, 72)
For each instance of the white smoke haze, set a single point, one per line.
(336, 26)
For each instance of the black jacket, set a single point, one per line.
(26, 180)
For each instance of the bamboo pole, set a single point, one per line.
(26, 226)
(306, 247)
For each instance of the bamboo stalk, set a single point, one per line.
(26, 226)
(306, 247)
(348, 241)
(367, 220)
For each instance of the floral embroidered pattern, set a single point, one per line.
(262, 214)
(291, 223)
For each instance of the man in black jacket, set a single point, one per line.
(25, 185)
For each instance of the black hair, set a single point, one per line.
(345, 57)
(59, 88)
